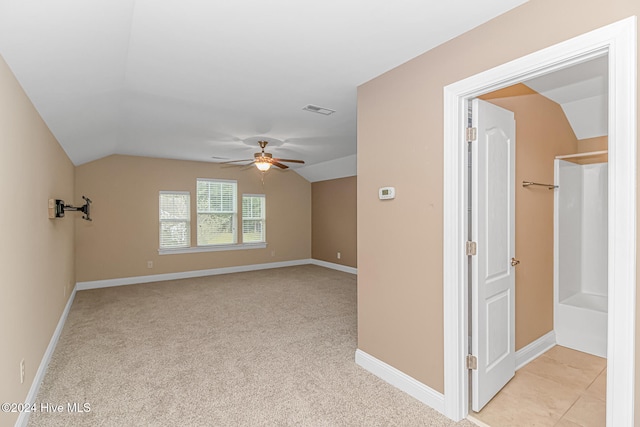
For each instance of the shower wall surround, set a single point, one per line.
(581, 251)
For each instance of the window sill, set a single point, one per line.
(213, 248)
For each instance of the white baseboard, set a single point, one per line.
(108, 283)
(81, 286)
(402, 381)
(531, 351)
(334, 266)
(426, 394)
(23, 418)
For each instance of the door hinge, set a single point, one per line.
(470, 248)
(472, 362)
(471, 134)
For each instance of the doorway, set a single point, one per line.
(564, 116)
(618, 41)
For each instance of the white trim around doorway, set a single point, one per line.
(618, 41)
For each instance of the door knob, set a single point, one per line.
(514, 262)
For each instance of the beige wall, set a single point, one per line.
(400, 277)
(123, 235)
(334, 221)
(599, 143)
(37, 256)
(542, 132)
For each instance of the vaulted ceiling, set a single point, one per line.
(583, 93)
(196, 79)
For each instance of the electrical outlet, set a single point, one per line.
(22, 371)
(339, 255)
(149, 264)
(273, 253)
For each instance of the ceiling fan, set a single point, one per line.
(264, 161)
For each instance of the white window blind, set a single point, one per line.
(217, 207)
(253, 218)
(175, 224)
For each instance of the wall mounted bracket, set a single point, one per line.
(57, 208)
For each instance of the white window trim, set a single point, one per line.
(213, 248)
(217, 247)
(264, 218)
(188, 221)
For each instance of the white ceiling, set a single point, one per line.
(192, 79)
(582, 91)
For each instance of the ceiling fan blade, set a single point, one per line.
(236, 161)
(280, 165)
(289, 160)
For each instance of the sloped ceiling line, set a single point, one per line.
(193, 79)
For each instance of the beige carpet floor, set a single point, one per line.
(260, 348)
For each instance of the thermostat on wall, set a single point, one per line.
(386, 193)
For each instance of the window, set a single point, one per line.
(217, 206)
(175, 225)
(216, 219)
(253, 218)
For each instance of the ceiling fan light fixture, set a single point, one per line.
(264, 161)
(263, 166)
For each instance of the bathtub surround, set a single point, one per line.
(581, 252)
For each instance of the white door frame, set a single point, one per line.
(618, 40)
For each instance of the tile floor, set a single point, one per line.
(561, 388)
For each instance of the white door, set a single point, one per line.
(493, 228)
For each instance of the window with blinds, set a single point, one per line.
(253, 218)
(217, 212)
(175, 224)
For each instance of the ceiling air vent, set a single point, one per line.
(319, 110)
